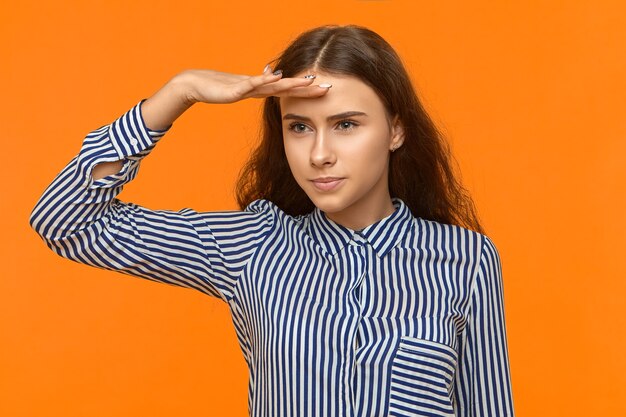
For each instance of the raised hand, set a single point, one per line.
(208, 86)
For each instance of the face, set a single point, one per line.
(338, 148)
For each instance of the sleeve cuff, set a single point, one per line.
(130, 136)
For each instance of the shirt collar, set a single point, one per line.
(382, 235)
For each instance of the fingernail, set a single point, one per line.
(266, 69)
(325, 85)
(310, 76)
(277, 72)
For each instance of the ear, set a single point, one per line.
(397, 134)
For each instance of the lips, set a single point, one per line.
(327, 183)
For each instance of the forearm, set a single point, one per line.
(159, 112)
(166, 105)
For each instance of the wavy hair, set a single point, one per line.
(422, 172)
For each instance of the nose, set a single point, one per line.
(322, 154)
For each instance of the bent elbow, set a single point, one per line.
(36, 219)
(44, 220)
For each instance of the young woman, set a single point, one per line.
(357, 276)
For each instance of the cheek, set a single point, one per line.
(295, 158)
(373, 165)
(370, 151)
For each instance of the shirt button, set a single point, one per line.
(134, 141)
(359, 239)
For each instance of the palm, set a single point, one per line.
(219, 87)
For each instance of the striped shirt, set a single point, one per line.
(402, 318)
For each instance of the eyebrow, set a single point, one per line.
(291, 116)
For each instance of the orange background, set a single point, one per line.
(531, 95)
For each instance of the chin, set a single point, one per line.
(329, 204)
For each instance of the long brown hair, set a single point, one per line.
(422, 171)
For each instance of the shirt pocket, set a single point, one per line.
(422, 375)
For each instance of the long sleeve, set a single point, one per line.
(483, 383)
(82, 219)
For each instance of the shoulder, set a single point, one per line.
(261, 206)
(449, 241)
(275, 214)
(464, 249)
(490, 258)
(448, 237)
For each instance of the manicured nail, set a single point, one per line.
(266, 69)
(310, 76)
(277, 72)
(326, 85)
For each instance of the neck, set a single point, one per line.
(359, 216)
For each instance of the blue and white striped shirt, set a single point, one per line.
(402, 318)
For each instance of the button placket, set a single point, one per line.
(360, 249)
(357, 255)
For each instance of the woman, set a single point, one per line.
(355, 282)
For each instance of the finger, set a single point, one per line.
(305, 92)
(267, 77)
(291, 87)
(308, 92)
(300, 92)
(287, 83)
(245, 88)
(269, 85)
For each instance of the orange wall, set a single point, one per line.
(532, 95)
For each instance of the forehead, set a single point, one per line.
(347, 93)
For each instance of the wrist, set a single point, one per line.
(183, 85)
(166, 105)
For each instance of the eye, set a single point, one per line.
(297, 127)
(347, 125)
